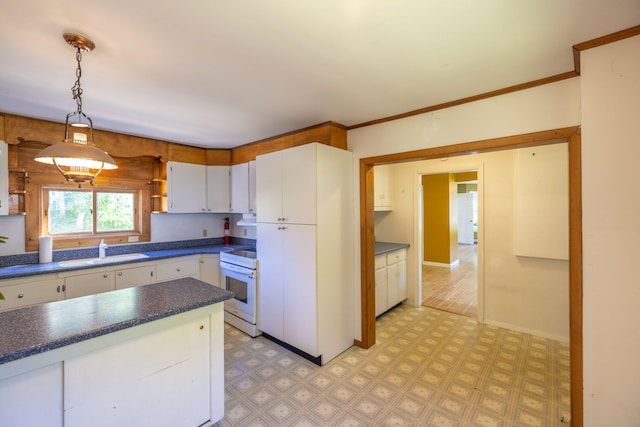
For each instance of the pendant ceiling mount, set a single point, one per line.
(79, 42)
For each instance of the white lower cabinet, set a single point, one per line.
(33, 290)
(177, 268)
(210, 269)
(381, 284)
(33, 398)
(135, 276)
(85, 283)
(391, 279)
(300, 289)
(163, 373)
(287, 295)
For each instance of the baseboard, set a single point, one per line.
(454, 264)
(317, 360)
(534, 332)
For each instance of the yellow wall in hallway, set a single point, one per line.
(440, 227)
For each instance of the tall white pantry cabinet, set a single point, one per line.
(305, 248)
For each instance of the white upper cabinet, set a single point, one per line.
(186, 187)
(286, 191)
(218, 199)
(240, 188)
(252, 186)
(4, 178)
(193, 188)
(382, 186)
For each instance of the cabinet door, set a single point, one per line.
(270, 246)
(186, 187)
(299, 287)
(33, 398)
(89, 284)
(188, 266)
(382, 200)
(299, 184)
(269, 187)
(158, 379)
(21, 293)
(396, 277)
(252, 186)
(4, 179)
(240, 188)
(210, 269)
(218, 196)
(381, 284)
(135, 276)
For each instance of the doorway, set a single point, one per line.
(449, 264)
(571, 135)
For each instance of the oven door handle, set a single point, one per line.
(236, 269)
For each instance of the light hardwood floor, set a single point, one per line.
(453, 290)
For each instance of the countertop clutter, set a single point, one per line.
(44, 327)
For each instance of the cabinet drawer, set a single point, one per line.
(381, 261)
(396, 256)
(30, 293)
(183, 267)
(89, 284)
(135, 276)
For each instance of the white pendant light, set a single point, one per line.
(77, 158)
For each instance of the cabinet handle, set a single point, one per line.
(119, 273)
(20, 296)
(58, 289)
(151, 273)
(178, 269)
(105, 275)
(201, 327)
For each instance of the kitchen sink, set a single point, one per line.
(99, 261)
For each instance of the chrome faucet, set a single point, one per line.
(102, 249)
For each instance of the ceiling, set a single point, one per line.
(223, 73)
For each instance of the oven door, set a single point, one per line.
(242, 282)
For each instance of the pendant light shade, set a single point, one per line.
(77, 158)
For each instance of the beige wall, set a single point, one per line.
(541, 108)
(610, 87)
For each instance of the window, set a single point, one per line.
(89, 212)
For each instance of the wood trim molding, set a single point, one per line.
(600, 41)
(610, 38)
(466, 100)
(571, 135)
(575, 279)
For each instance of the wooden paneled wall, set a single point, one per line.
(17, 129)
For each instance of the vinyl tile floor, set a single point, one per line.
(428, 368)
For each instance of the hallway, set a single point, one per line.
(453, 290)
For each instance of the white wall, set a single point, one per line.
(541, 108)
(610, 87)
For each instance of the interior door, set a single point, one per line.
(465, 218)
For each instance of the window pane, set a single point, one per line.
(70, 212)
(115, 211)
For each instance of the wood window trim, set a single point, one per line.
(35, 185)
(94, 233)
(570, 135)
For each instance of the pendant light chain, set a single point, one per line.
(76, 90)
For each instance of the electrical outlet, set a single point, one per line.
(132, 239)
(204, 232)
(245, 232)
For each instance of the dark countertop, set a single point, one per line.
(386, 247)
(23, 270)
(32, 330)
